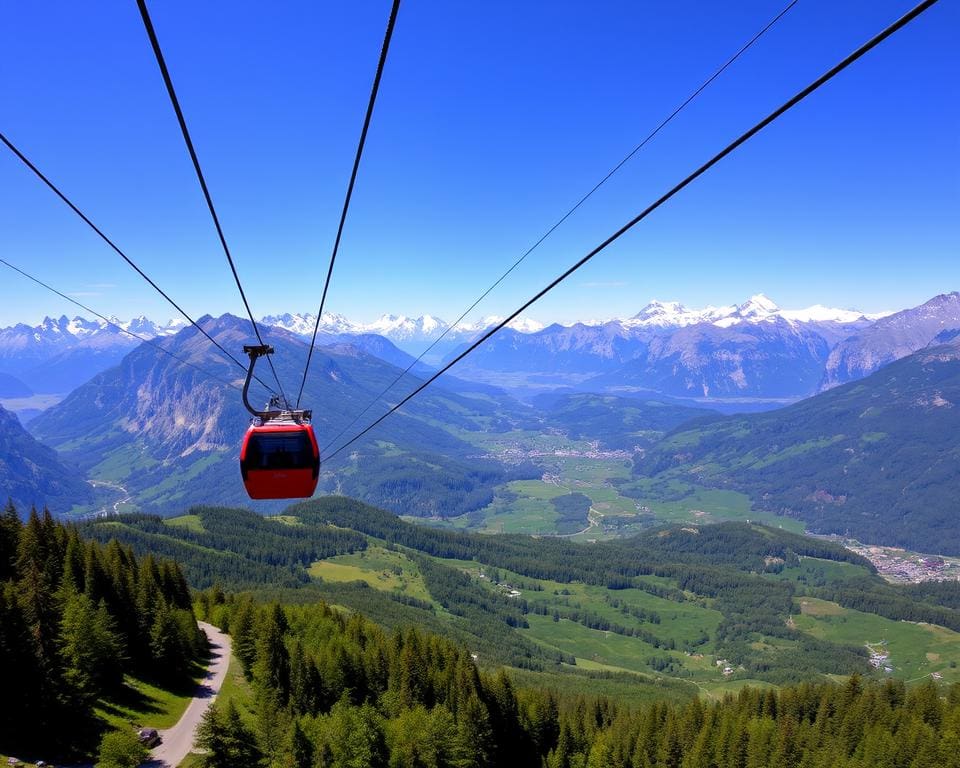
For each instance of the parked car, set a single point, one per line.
(148, 737)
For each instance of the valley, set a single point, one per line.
(619, 504)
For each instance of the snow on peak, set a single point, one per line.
(660, 312)
(401, 327)
(525, 325)
(757, 309)
(758, 306)
(821, 314)
(303, 323)
(521, 324)
(672, 314)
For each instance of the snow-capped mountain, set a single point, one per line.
(672, 314)
(61, 353)
(400, 329)
(891, 338)
(754, 350)
(757, 309)
(302, 324)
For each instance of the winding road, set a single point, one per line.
(178, 741)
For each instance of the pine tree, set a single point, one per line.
(299, 749)
(9, 540)
(225, 739)
(91, 651)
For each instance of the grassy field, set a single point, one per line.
(144, 704)
(381, 568)
(683, 502)
(190, 522)
(814, 572)
(629, 688)
(611, 652)
(915, 650)
(522, 506)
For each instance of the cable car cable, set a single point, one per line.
(39, 174)
(155, 43)
(120, 328)
(353, 177)
(743, 138)
(567, 215)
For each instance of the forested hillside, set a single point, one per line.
(169, 435)
(335, 691)
(876, 459)
(75, 617)
(425, 684)
(666, 604)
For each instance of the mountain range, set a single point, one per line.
(754, 352)
(60, 354)
(168, 435)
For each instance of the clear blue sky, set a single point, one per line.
(493, 119)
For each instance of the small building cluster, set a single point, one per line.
(880, 658)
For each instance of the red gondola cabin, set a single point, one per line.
(280, 461)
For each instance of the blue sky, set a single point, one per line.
(493, 119)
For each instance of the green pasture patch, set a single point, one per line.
(286, 519)
(190, 522)
(915, 650)
(381, 568)
(629, 688)
(605, 648)
(145, 704)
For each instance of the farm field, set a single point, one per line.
(190, 522)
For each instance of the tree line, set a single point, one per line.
(75, 617)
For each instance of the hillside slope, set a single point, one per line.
(878, 459)
(32, 474)
(891, 338)
(670, 602)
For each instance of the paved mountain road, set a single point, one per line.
(178, 741)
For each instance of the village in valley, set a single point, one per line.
(903, 567)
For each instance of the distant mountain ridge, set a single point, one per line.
(891, 338)
(60, 354)
(754, 352)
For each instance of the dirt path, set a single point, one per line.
(178, 741)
